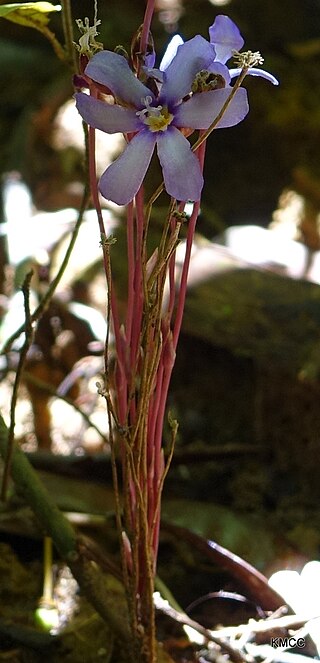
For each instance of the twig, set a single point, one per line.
(54, 284)
(181, 617)
(23, 354)
(67, 24)
(58, 49)
(265, 625)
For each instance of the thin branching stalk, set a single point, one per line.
(67, 24)
(36, 315)
(58, 49)
(29, 332)
(186, 264)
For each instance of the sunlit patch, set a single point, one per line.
(287, 218)
(68, 133)
(169, 13)
(220, 3)
(302, 593)
(170, 52)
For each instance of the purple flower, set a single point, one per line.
(227, 40)
(186, 99)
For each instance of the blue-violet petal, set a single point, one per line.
(225, 37)
(109, 118)
(254, 71)
(200, 111)
(192, 56)
(181, 170)
(112, 70)
(121, 181)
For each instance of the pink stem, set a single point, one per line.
(137, 283)
(172, 284)
(131, 258)
(167, 361)
(153, 414)
(167, 366)
(146, 25)
(184, 276)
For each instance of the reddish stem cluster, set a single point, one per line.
(145, 349)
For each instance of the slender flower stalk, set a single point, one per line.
(146, 25)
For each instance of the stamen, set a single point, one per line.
(157, 118)
(247, 58)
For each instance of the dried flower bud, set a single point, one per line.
(147, 58)
(122, 51)
(88, 45)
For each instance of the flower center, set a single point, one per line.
(157, 118)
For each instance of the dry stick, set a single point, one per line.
(264, 626)
(141, 538)
(14, 398)
(67, 24)
(157, 433)
(155, 527)
(136, 278)
(234, 654)
(169, 346)
(58, 49)
(165, 365)
(157, 277)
